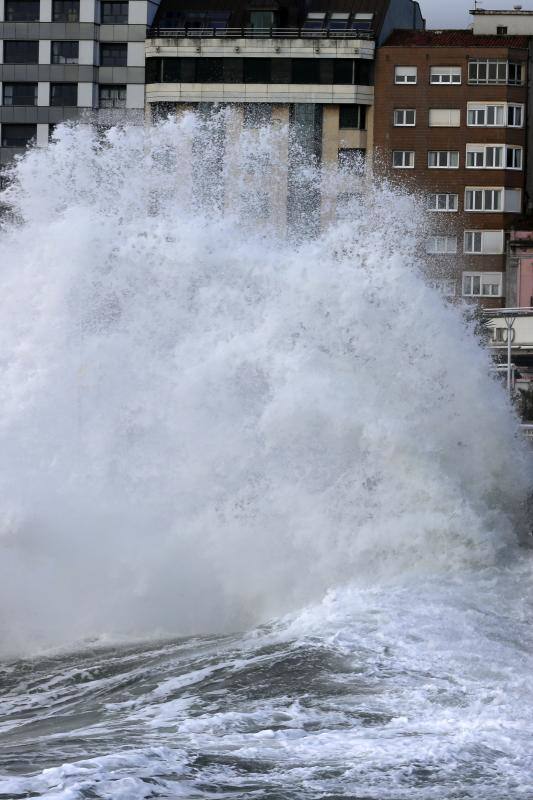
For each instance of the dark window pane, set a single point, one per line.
(363, 72)
(153, 70)
(171, 70)
(112, 96)
(257, 70)
(209, 70)
(261, 19)
(162, 110)
(20, 94)
(305, 70)
(343, 71)
(113, 55)
(352, 117)
(63, 94)
(22, 11)
(66, 10)
(21, 52)
(233, 70)
(18, 135)
(255, 115)
(65, 52)
(113, 13)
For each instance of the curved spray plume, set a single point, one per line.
(204, 424)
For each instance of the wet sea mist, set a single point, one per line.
(208, 424)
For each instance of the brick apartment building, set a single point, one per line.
(450, 119)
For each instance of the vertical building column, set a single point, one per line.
(44, 51)
(42, 134)
(86, 53)
(1, 10)
(87, 11)
(45, 11)
(280, 188)
(135, 95)
(85, 95)
(43, 93)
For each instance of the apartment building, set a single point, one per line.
(450, 120)
(63, 59)
(307, 65)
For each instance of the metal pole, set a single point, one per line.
(509, 328)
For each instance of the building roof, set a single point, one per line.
(452, 38)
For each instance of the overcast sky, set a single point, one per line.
(454, 13)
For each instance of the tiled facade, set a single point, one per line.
(62, 59)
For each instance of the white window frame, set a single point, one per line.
(484, 199)
(476, 111)
(441, 245)
(445, 75)
(480, 281)
(440, 205)
(400, 115)
(476, 242)
(496, 71)
(481, 151)
(447, 165)
(410, 159)
(449, 113)
(409, 75)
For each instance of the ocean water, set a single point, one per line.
(262, 505)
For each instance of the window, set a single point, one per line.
(18, 135)
(362, 22)
(21, 52)
(65, 52)
(405, 74)
(113, 13)
(443, 202)
(444, 117)
(338, 22)
(443, 159)
(65, 10)
(484, 115)
(515, 116)
(489, 156)
(261, 20)
(63, 94)
(445, 75)
(484, 242)
(483, 199)
(112, 96)
(314, 22)
(19, 94)
(501, 30)
(482, 284)
(256, 115)
(403, 159)
(496, 72)
(352, 159)
(441, 245)
(513, 158)
(303, 70)
(113, 54)
(22, 10)
(256, 70)
(404, 117)
(352, 117)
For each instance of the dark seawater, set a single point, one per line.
(415, 692)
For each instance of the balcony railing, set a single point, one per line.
(257, 33)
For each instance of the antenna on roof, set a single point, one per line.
(477, 4)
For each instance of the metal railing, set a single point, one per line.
(256, 33)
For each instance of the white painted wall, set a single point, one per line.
(1, 10)
(44, 51)
(85, 95)
(517, 24)
(43, 93)
(135, 95)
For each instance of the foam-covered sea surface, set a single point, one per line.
(262, 501)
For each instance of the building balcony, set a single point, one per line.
(258, 93)
(174, 42)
